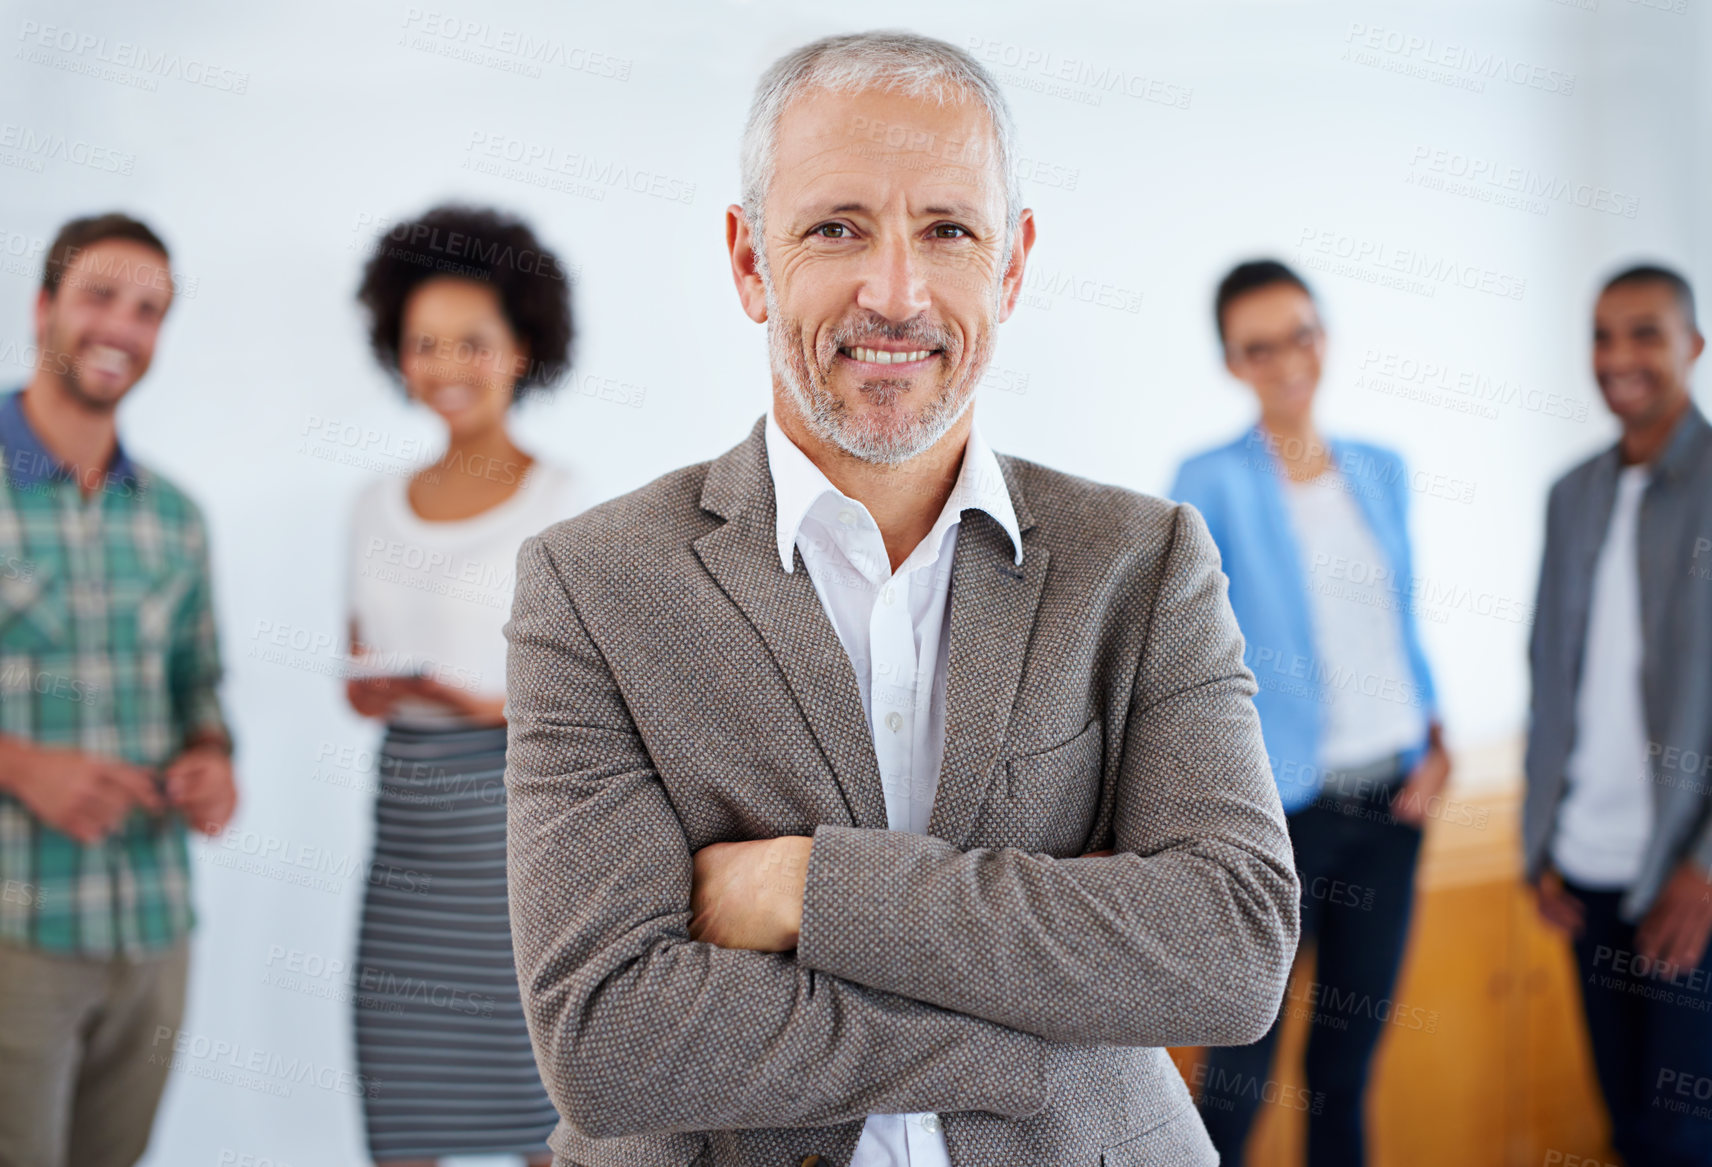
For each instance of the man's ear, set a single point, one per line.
(44, 303)
(745, 270)
(1021, 244)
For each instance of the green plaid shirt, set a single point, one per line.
(107, 645)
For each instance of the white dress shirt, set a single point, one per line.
(1606, 817)
(893, 627)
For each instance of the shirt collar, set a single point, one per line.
(1682, 448)
(798, 484)
(30, 464)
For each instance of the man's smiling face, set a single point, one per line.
(887, 265)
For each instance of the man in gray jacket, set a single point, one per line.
(1617, 838)
(876, 798)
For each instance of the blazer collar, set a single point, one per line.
(1687, 444)
(994, 597)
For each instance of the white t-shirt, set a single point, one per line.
(1606, 816)
(436, 595)
(1372, 704)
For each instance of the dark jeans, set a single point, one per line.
(1357, 867)
(1651, 1031)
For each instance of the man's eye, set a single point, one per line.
(832, 231)
(949, 231)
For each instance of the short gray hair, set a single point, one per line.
(903, 62)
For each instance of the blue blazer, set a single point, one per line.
(1236, 489)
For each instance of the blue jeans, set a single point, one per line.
(1651, 1031)
(1357, 867)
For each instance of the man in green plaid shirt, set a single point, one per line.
(112, 741)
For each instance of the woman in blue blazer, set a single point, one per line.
(1314, 539)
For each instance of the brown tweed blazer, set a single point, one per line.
(670, 686)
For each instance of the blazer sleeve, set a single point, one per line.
(1547, 719)
(1184, 936)
(638, 1029)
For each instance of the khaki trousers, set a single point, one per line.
(80, 1072)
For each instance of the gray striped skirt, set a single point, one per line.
(441, 1044)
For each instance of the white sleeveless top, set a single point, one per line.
(435, 596)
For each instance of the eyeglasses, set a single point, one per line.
(1268, 352)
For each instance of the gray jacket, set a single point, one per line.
(671, 686)
(1675, 546)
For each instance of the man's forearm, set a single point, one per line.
(207, 738)
(694, 1037)
(15, 754)
(1180, 948)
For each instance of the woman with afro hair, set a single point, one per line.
(470, 313)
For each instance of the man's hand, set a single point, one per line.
(1675, 929)
(199, 785)
(82, 795)
(750, 895)
(1556, 906)
(1426, 781)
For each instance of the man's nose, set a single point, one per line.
(895, 283)
(1617, 356)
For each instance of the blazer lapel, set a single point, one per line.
(993, 603)
(742, 555)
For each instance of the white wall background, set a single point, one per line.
(1236, 129)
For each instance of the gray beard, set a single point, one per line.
(828, 419)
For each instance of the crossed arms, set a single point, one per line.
(925, 978)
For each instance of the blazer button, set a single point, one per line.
(811, 1161)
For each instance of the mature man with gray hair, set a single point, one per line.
(876, 798)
